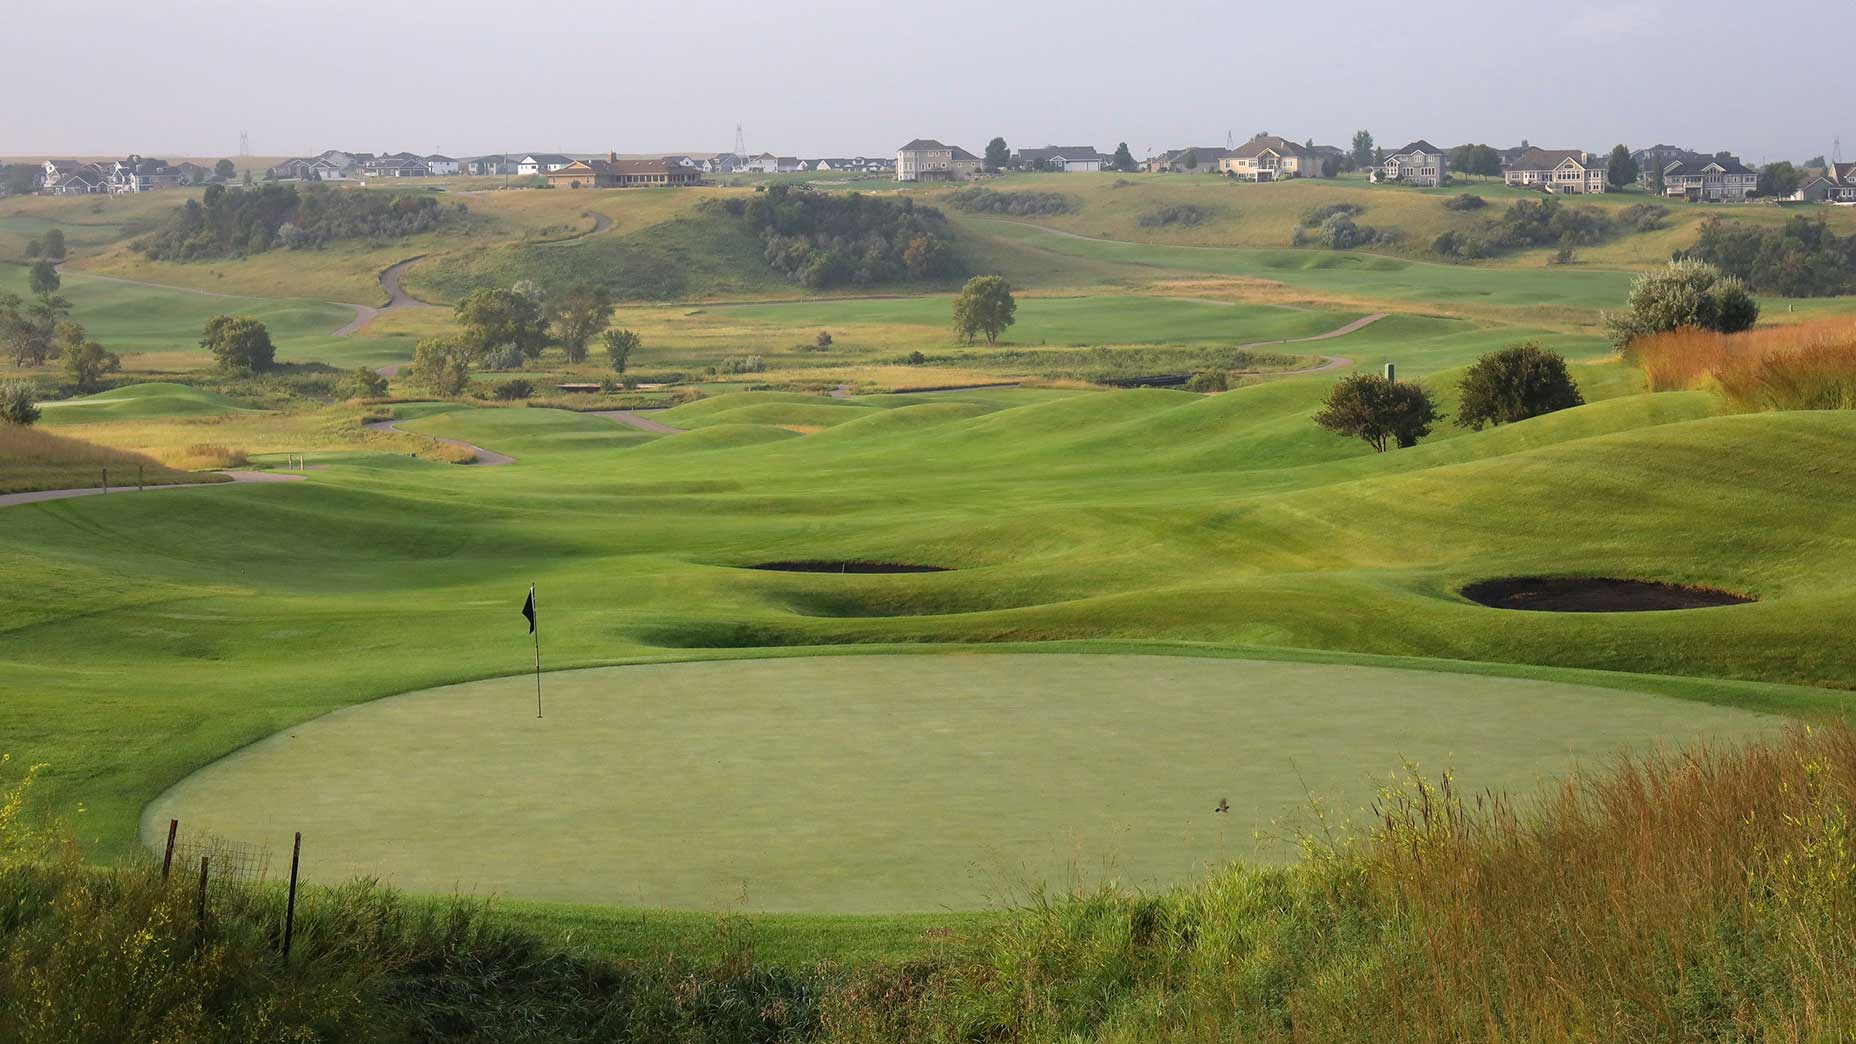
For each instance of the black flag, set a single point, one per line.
(528, 609)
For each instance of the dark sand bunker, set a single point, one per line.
(824, 566)
(1595, 595)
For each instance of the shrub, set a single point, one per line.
(512, 390)
(1803, 258)
(1320, 215)
(1465, 202)
(1207, 381)
(1187, 214)
(1513, 384)
(1643, 217)
(1683, 293)
(981, 200)
(19, 402)
(1379, 411)
(744, 364)
(823, 340)
(239, 342)
(364, 383)
(442, 364)
(917, 359)
(1460, 244)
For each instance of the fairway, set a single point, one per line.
(884, 783)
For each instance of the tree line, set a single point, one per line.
(239, 222)
(825, 240)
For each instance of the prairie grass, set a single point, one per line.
(1803, 366)
(31, 459)
(205, 455)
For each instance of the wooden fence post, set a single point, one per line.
(202, 911)
(106, 480)
(167, 858)
(296, 852)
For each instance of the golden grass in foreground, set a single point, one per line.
(1693, 896)
(1802, 366)
(31, 459)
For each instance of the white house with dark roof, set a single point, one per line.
(1068, 159)
(1419, 163)
(441, 166)
(542, 162)
(1268, 157)
(1562, 171)
(1709, 180)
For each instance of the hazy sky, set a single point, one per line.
(833, 77)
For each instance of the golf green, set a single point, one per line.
(883, 783)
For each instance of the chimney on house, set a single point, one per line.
(612, 158)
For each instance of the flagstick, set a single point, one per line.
(531, 595)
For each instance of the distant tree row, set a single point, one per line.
(506, 329)
(1802, 258)
(237, 222)
(827, 239)
(1542, 223)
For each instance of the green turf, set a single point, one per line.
(884, 784)
(139, 402)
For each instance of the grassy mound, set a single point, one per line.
(159, 399)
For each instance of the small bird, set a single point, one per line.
(1223, 806)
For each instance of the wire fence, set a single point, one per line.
(240, 862)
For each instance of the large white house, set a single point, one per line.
(926, 159)
(1267, 157)
(1419, 163)
(542, 163)
(441, 166)
(1563, 171)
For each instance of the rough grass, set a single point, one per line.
(34, 459)
(1802, 366)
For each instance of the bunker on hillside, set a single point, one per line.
(1576, 594)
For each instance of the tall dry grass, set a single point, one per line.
(1687, 897)
(31, 459)
(1807, 366)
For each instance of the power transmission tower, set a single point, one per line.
(244, 144)
(1230, 139)
(741, 143)
(1836, 150)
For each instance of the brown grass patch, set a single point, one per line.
(31, 459)
(1800, 366)
(205, 455)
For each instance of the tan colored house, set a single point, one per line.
(1419, 163)
(1267, 157)
(1570, 172)
(926, 159)
(613, 172)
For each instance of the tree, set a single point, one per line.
(494, 319)
(823, 340)
(1515, 383)
(1378, 410)
(54, 244)
(620, 344)
(1209, 382)
(581, 315)
(239, 342)
(34, 248)
(1815, 162)
(1655, 180)
(364, 383)
(927, 256)
(1362, 153)
(985, 306)
(997, 154)
(442, 364)
(85, 361)
(224, 169)
(1621, 170)
(21, 179)
(1779, 180)
(28, 330)
(44, 277)
(1192, 159)
(1124, 159)
(19, 402)
(1683, 293)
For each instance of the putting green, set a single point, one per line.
(882, 783)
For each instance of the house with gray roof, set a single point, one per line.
(1709, 180)
(1561, 171)
(1067, 159)
(926, 159)
(1269, 157)
(1419, 163)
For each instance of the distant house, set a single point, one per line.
(486, 166)
(1659, 157)
(1562, 171)
(542, 163)
(441, 166)
(56, 170)
(613, 172)
(81, 180)
(926, 159)
(1192, 159)
(1068, 159)
(396, 165)
(296, 169)
(141, 174)
(1419, 163)
(1837, 184)
(1708, 180)
(1267, 157)
(192, 173)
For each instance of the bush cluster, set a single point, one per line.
(743, 364)
(513, 389)
(980, 200)
(826, 240)
(237, 222)
(1802, 258)
(1187, 214)
(1544, 223)
(1465, 202)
